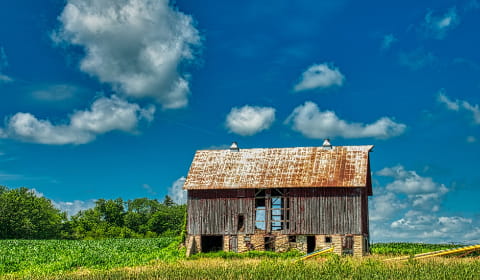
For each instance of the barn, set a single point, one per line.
(277, 199)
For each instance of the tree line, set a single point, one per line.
(23, 215)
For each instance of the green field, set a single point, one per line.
(43, 257)
(408, 248)
(162, 258)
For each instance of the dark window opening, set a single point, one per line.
(328, 239)
(260, 218)
(277, 213)
(292, 238)
(260, 209)
(310, 243)
(366, 244)
(212, 243)
(277, 192)
(347, 246)
(260, 202)
(260, 192)
(271, 210)
(279, 210)
(286, 213)
(233, 246)
(269, 243)
(241, 223)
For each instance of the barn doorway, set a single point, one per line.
(270, 243)
(347, 246)
(233, 244)
(310, 243)
(212, 243)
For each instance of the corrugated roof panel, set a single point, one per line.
(342, 166)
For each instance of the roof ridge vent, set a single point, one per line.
(327, 145)
(234, 147)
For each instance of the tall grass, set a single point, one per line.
(163, 258)
(408, 248)
(248, 255)
(332, 267)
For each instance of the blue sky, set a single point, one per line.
(107, 99)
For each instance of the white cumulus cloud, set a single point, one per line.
(249, 120)
(422, 192)
(409, 209)
(437, 26)
(320, 76)
(107, 114)
(451, 105)
(70, 207)
(137, 46)
(473, 109)
(385, 206)
(409, 182)
(73, 207)
(425, 227)
(313, 123)
(176, 191)
(104, 115)
(459, 105)
(35, 192)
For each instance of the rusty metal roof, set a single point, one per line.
(341, 166)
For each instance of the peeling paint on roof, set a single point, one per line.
(342, 166)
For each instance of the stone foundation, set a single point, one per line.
(282, 243)
(359, 249)
(226, 243)
(301, 243)
(326, 240)
(193, 244)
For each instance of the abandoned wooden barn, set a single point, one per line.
(279, 198)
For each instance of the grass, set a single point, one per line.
(408, 248)
(247, 255)
(43, 257)
(331, 267)
(161, 258)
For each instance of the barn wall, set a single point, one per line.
(312, 211)
(325, 211)
(365, 221)
(215, 212)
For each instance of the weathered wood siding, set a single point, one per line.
(325, 211)
(311, 211)
(365, 221)
(215, 212)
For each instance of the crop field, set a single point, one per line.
(410, 249)
(161, 258)
(44, 257)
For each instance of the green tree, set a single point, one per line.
(168, 220)
(105, 220)
(141, 217)
(84, 222)
(111, 211)
(140, 211)
(168, 201)
(23, 215)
